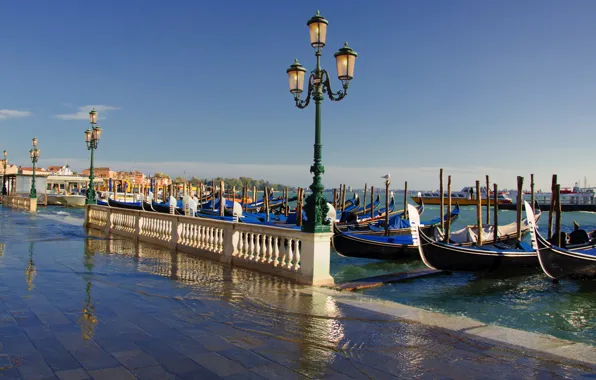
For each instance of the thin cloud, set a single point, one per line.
(7, 114)
(83, 112)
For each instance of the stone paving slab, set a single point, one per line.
(110, 316)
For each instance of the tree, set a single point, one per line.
(179, 180)
(161, 175)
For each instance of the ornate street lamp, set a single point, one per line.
(92, 137)
(4, 190)
(34, 154)
(318, 83)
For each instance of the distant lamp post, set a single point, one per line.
(92, 137)
(4, 189)
(318, 83)
(34, 154)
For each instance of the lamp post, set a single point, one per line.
(92, 137)
(318, 83)
(34, 154)
(4, 189)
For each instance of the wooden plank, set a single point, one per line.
(376, 281)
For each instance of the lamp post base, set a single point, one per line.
(33, 204)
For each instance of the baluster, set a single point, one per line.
(201, 236)
(240, 245)
(297, 255)
(221, 240)
(251, 250)
(290, 254)
(209, 238)
(269, 250)
(257, 247)
(283, 252)
(275, 251)
(194, 236)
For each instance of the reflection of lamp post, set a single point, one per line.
(30, 272)
(318, 83)
(4, 190)
(88, 320)
(34, 154)
(92, 136)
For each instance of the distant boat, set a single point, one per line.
(70, 200)
(465, 197)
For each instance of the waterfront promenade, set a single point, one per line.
(76, 307)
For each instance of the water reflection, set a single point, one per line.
(272, 308)
(30, 271)
(88, 321)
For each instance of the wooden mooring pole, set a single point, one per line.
(364, 198)
(487, 201)
(552, 207)
(448, 221)
(532, 191)
(405, 201)
(442, 202)
(520, 192)
(372, 197)
(558, 217)
(387, 183)
(335, 199)
(496, 209)
(479, 213)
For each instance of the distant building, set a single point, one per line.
(100, 173)
(60, 170)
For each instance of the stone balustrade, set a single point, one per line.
(20, 202)
(286, 252)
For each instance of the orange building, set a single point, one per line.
(100, 172)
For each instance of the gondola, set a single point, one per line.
(377, 221)
(400, 243)
(559, 263)
(349, 208)
(163, 208)
(125, 205)
(468, 235)
(362, 219)
(366, 210)
(484, 259)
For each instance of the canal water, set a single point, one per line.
(529, 302)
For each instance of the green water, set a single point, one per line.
(528, 302)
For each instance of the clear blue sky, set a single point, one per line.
(503, 88)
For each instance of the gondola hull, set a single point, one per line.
(125, 205)
(468, 259)
(458, 258)
(350, 245)
(560, 263)
(398, 245)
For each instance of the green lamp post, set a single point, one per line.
(92, 137)
(318, 84)
(34, 154)
(4, 189)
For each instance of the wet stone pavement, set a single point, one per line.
(74, 306)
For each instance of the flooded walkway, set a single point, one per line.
(76, 307)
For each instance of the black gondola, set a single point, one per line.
(398, 245)
(484, 259)
(126, 205)
(559, 263)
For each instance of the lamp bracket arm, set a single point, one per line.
(335, 96)
(304, 103)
